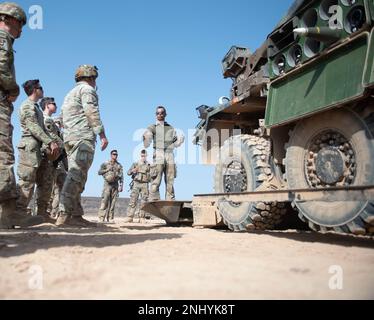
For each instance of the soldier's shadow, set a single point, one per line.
(21, 242)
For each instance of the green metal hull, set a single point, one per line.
(326, 82)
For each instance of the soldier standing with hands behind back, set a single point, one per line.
(112, 172)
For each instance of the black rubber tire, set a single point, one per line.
(254, 154)
(346, 217)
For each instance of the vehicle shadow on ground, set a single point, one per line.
(18, 243)
(143, 227)
(329, 238)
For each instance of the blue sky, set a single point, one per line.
(148, 53)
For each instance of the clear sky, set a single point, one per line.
(149, 53)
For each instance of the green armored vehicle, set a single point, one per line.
(300, 116)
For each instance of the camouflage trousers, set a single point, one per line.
(163, 165)
(8, 192)
(42, 176)
(109, 200)
(139, 190)
(80, 158)
(59, 181)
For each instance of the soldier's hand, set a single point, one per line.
(135, 170)
(120, 188)
(54, 149)
(104, 142)
(12, 99)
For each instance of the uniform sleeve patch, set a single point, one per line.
(3, 44)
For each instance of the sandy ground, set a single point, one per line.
(153, 261)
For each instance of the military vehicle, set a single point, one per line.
(298, 126)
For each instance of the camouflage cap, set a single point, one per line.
(13, 10)
(86, 71)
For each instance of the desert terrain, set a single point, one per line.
(155, 261)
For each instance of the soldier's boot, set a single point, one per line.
(154, 197)
(142, 217)
(10, 218)
(47, 218)
(128, 220)
(62, 220)
(101, 219)
(80, 221)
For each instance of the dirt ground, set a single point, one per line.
(153, 261)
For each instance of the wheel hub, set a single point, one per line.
(235, 178)
(331, 161)
(330, 166)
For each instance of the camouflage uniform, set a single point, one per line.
(58, 168)
(113, 179)
(8, 86)
(81, 118)
(139, 187)
(60, 176)
(165, 140)
(33, 167)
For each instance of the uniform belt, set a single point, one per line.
(137, 181)
(164, 149)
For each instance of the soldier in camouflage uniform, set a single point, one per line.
(165, 140)
(82, 123)
(140, 173)
(112, 172)
(61, 173)
(12, 19)
(49, 108)
(34, 167)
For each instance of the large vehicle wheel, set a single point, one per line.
(244, 166)
(333, 149)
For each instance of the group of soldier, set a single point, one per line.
(165, 139)
(55, 156)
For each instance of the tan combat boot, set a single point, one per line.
(128, 220)
(47, 218)
(10, 219)
(62, 220)
(81, 222)
(101, 219)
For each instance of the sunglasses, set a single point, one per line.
(115, 154)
